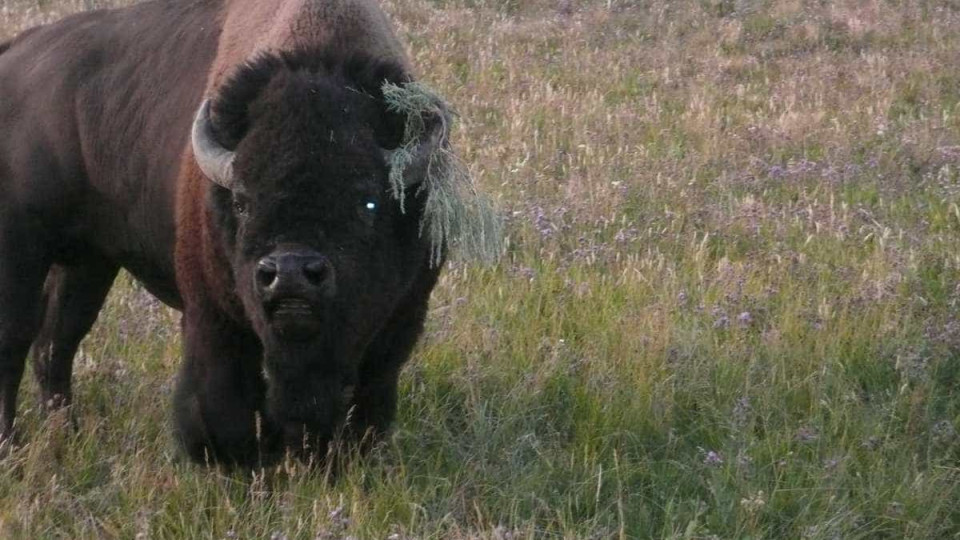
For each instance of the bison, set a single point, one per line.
(235, 158)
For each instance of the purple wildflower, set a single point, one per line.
(713, 459)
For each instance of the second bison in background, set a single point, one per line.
(234, 157)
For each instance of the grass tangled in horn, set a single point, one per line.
(455, 214)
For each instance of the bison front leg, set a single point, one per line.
(374, 408)
(220, 394)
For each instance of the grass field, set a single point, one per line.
(727, 307)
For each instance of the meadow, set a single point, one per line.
(727, 306)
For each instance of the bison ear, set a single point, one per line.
(427, 120)
(413, 158)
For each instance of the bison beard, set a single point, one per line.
(307, 399)
(250, 191)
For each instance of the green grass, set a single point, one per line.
(727, 307)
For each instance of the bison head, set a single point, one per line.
(297, 147)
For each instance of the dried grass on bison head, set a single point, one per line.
(455, 213)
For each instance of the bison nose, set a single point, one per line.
(293, 272)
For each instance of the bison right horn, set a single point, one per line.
(419, 160)
(215, 161)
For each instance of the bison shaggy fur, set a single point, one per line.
(233, 156)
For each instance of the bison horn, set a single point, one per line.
(417, 168)
(215, 161)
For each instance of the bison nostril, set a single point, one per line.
(266, 272)
(316, 271)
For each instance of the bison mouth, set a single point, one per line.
(293, 318)
(290, 307)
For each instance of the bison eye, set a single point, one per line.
(240, 205)
(368, 210)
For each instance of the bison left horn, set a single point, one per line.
(215, 161)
